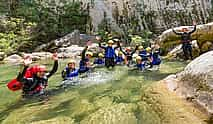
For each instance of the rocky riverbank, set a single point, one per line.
(195, 83)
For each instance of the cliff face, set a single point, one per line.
(154, 15)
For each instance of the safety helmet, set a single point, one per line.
(71, 62)
(140, 47)
(89, 53)
(138, 58)
(100, 55)
(120, 53)
(116, 40)
(110, 42)
(148, 49)
(128, 48)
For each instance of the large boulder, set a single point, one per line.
(195, 83)
(203, 35)
(39, 55)
(67, 40)
(13, 59)
(177, 52)
(70, 52)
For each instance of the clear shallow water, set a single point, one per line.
(117, 96)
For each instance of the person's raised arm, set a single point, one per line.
(136, 48)
(177, 33)
(194, 29)
(101, 46)
(123, 51)
(55, 66)
(27, 62)
(118, 45)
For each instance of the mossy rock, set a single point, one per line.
(116, 114)
(57, 120)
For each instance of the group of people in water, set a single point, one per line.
(34, 80)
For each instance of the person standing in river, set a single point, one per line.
(110, 53)
(186, 41)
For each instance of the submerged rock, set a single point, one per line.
(116, 114)
(195, 83)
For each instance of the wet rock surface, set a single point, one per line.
(195, 83)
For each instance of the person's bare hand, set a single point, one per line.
(194, 23)
(27, 60)
(55, 56)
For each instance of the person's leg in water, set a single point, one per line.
(112, 62)
(185, 51)
(107, 62)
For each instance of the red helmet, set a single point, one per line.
(128, 49)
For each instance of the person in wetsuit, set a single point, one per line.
(85, 65)
(39, 81)
(100, 60)
(128, 54)
(186, 41)
(110, 53)
(70, 71)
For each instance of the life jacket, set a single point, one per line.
(83, 65)
(109, 52)
(156, 58)
(15, 85)
(99, 61)
(142, 53)
(140, 66)
(34, 84)
(119, 59)
(71, 73)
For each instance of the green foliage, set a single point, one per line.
(14, 32)
(49, 19)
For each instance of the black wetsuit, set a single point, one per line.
(109, 55)
(30, 84)
(129, 55)
(186, 42)
(83, 63)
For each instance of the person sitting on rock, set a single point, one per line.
(186, 41)
(110, 53)
(140, 65)
(70, 72)
(85, 65)
(100, 60)
(38, 82)
(128, 54)
(119, 58)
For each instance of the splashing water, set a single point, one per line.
(93, 78)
